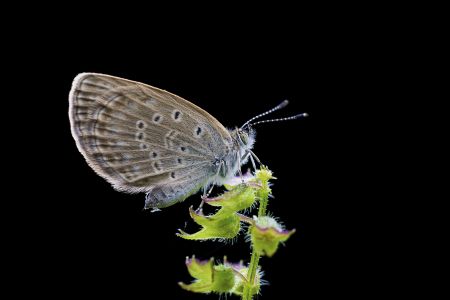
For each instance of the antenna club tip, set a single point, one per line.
(283, 104)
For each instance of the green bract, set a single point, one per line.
(265, 236)
(220, 225)
(239, 198)
(202, 271)
(225, 223)
(209, 278)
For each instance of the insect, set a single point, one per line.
(144, 139)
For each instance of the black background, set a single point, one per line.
(92, 240)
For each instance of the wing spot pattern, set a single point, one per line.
(176, 115)
(198, 132)
(141, 125)
(157, 118)
(124, 108)
(140, 136)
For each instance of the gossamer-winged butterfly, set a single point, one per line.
(143, 139)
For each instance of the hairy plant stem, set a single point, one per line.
(254, 261)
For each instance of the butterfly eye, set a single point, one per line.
(244, 137)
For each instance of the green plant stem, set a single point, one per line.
(263, 206)
(254, 261)
(263, 199)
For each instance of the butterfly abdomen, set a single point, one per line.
(166, 195)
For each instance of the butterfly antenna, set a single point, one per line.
(279, 106)
(303, 115)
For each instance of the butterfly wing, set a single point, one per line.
(143, 139)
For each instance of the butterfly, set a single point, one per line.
(144, 139)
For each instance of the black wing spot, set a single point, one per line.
(140, 124)
(157, 118)
(140, 136)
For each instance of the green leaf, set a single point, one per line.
(239, 198)
(223, 279)
(220, 225)
(225, 223)
(209, 278)
(267, 234)
(202, 271)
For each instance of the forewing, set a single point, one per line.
(139, 137)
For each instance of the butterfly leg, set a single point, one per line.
(251, 159)
(239, 168)
(253, 163)
(256, 157)
(199, 209)
(206, 194)
(221, 165)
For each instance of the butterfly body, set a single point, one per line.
(143, 139)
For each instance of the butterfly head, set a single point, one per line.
(245, 137)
